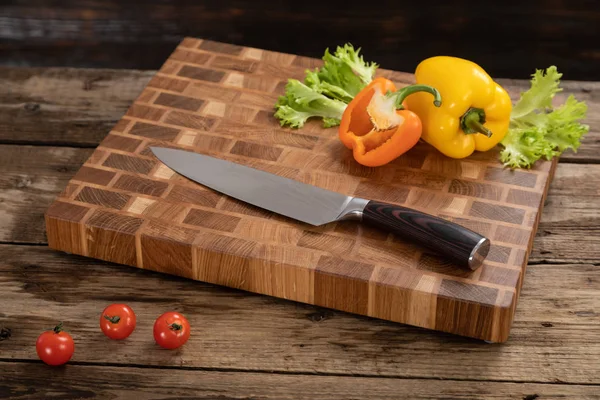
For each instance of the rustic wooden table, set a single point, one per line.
(251, 346)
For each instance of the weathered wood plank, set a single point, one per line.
(232, 329)
(570, 224)
(83, 381)
(31, 177)
(63, 106)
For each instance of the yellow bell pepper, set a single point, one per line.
(475, 113)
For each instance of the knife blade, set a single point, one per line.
(317, 206)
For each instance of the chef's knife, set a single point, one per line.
(317, 206)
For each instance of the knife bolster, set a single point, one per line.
(353, 211)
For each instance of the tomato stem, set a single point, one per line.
(175, 326)
(58, 328)
(114, 319)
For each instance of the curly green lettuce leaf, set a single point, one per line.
(313, 81)
(523, 147)
(352, 58)
(331, 122)
(326, 90)
(343, 74)
(337, 72)
(301, 102)
(563, 128)
(540, 95)
(537, 129)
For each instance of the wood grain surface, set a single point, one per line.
(244, 338)
(82, 381)
(236, 330)
(126, 207)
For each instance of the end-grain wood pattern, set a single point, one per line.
(125, 206)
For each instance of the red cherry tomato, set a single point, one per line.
(117, 321)
(171, 330)
(55, 347)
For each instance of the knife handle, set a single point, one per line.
(455, 242)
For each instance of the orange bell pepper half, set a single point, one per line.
(376, 125)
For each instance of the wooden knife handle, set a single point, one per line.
(457, 243)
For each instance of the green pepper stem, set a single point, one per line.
(406, 91)
(478, 126)
(472, 122)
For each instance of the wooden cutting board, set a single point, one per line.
(124, 206)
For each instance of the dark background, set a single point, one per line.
(508, 38)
